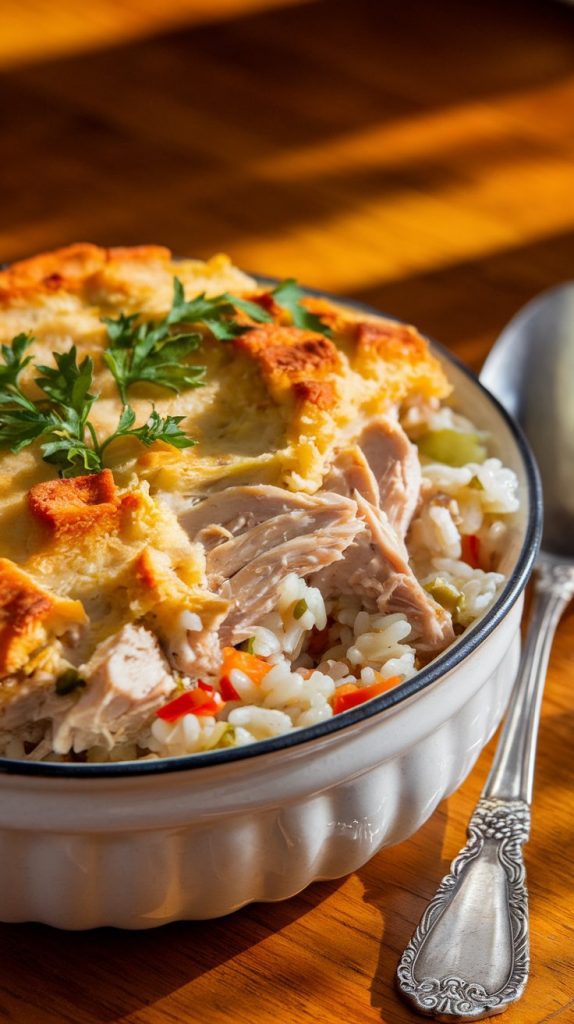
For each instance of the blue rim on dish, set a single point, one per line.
(444, 663)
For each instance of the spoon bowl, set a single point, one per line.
(531, 372)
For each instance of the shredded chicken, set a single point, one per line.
(256, 535)
(126, 679)
(351, 472)
(394, 462)
(234, 510)
(376, 565)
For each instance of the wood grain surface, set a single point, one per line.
(418, 156)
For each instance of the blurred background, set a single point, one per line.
(416, 155)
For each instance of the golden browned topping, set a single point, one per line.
(71, 268)
(289, 355)
(68, 506)
(321, 393)
(389, 339)
(400, 358)
(29, 616)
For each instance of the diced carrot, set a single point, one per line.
(471, 550)
(252, 666)
(202, 701)
(343, 697)
(350, 695)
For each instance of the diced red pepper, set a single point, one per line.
(227, 689)
(350, 695)
(202, 701)
(471, 550)
(266, 301)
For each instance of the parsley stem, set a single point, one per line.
(97, 447)
(101, 447)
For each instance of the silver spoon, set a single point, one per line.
(469, 957)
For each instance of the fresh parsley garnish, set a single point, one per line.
(152, 351)
(217, 313)
(149, 351)
(14, 361)
(154, 429)
(60, 419)
(288, 295)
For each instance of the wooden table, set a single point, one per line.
(415, 155)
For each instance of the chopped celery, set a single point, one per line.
(452, 447)
(227, 737)
(181, 683)
(446, 594)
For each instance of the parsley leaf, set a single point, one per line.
(151, 351)
(60, 420)
(288, 295)
(68, 384)
(166, 429)
(14, 362)
(21, 422)
(154, 429)
(215, 312)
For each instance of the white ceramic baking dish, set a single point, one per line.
(139, 844)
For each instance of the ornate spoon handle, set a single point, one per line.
(469, 956)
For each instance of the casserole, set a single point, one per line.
(141, 843)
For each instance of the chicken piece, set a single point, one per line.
(270, 532)
(315, 515)
(396, 588)
(22, 701)
(196, 651)
(382, 472)
(376, 567)
(234, 510)
(126, 679)
(395, 464)
(350, 472)
(253, 589)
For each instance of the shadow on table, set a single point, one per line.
(398, 883)
(133, 970)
